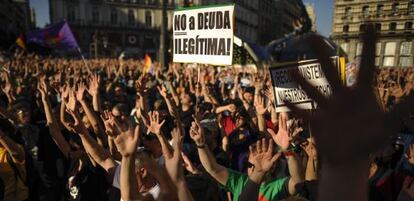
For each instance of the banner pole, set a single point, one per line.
(84, 61)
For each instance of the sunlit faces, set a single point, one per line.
(185, 99)
(248, 97)
(118, 91)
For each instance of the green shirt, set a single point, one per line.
(275, 190)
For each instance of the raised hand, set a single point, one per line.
(269, 95)
(310, 148)
(162, 90)
(64, 93)
(81, 91)
(8, 87)
(188, 165)
(351, 116)
(262, 156)
(72, 102)
(141, 85)
(173, 160)
(197, 132)
(126, 142)
(94, 83)
(77, 126)
(155, 124)
(260, 106)
(42, 88)
(282, 138)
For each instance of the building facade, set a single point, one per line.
(393, 21)
(15, 18)
(247, 17)
(310, 9)
(109, 27)
(261, 21)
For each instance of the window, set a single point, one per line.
(411, 7)
(345, 28)
(390, 48)
(365, 11)
(348, 12)
(408, 25)
(405, 48)
(95, 15)
(395, 8)
(71, 13)
(131, 17)
(148, 18)
(378, 26)
(406, 58)
(380, 9)
(114, 16)
(359, 49)
(389, 52)
(345, 47)
(392, 26)
(378, 49)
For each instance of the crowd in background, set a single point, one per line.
(106, 130)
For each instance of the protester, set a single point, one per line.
(194, 132)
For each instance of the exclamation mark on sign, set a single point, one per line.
(228, 46)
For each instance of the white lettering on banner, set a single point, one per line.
(204, 35)
(286, 89)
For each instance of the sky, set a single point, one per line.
(324, 10)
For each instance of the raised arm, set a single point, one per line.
(126, 142)
(54, 129)
(15, 151)
(174, 166)
(64, 95)
(218, 172)
(282, 138)
(260, 111)
(93, 90)
(91, 115)
(263, 158)
(97, 152)
(311, 172)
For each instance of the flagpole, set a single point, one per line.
(84, 61)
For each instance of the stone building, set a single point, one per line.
(15, 19)
(394, 24)
(109, 27)
(310, 9)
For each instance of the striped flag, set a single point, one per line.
(20, 42)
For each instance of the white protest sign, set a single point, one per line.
(285, 87)
(204, 35)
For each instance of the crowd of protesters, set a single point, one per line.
(110, 131)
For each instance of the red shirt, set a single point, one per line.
(228, 125)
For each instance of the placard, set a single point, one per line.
(204, 35)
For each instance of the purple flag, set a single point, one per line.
(57, 36)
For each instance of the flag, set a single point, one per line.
(148, 66)
(56, 36)
(20, 42)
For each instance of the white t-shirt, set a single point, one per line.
(154, 191)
